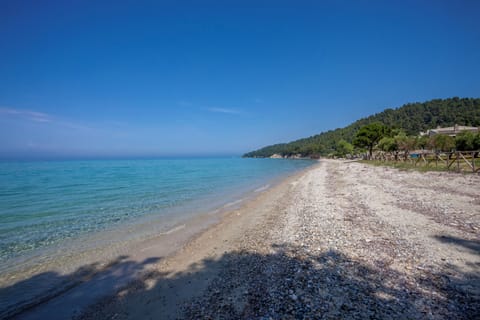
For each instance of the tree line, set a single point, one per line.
(378, 136)
(401, 125)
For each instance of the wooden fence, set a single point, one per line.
(468, 161)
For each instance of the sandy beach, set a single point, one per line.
(339, 240)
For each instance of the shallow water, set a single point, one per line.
(47, 207)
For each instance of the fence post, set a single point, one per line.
(458, 161)
(473, 162)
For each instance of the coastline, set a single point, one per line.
(338, 239)
(108, 262)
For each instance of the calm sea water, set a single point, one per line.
(43, 204)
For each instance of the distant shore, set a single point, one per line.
(340, 239)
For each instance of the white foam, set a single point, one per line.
(180, 227)
(233, 203)
(262, 188)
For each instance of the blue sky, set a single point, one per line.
(170, 78)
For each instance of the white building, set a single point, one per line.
(450, 131)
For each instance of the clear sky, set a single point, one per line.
(169, 78)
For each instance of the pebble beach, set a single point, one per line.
(338, 240)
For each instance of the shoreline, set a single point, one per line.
(144, 252)
(341, 240)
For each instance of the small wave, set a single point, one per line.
(233, 203)
(180, 227)
(262, 188)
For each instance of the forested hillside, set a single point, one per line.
(412, 118)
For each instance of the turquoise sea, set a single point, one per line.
(47, 204)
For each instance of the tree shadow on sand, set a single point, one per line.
(36, 297)
(292, 283)
(472, 245)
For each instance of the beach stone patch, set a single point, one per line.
(334, 253)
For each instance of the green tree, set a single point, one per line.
(406, 143)
(464, 141)
(344, 148)
(442, 142)
(422, 142)
(369, 135)
(311, 149)
(387, 144)
(476, 142)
